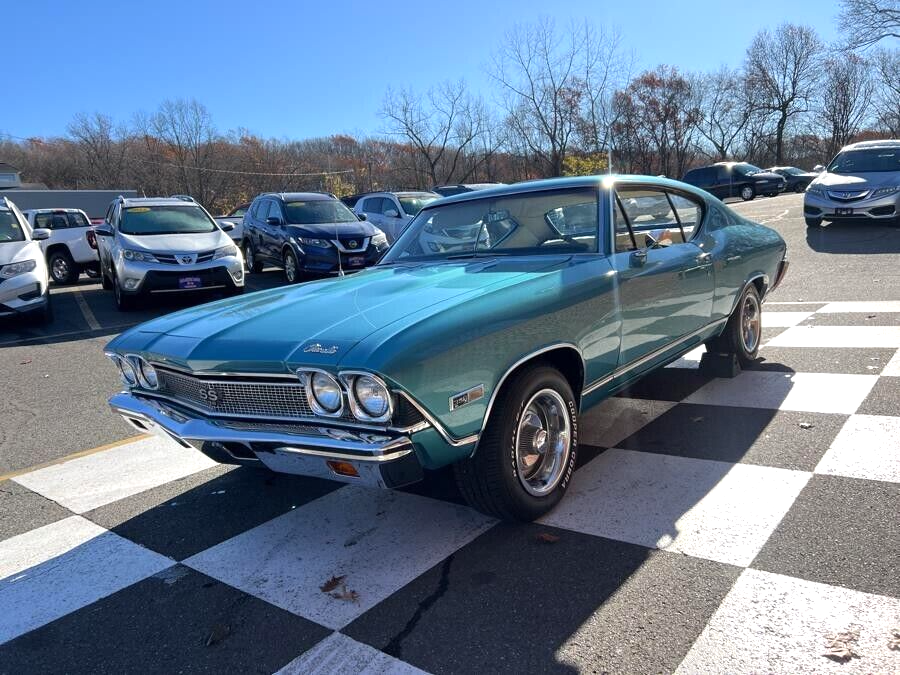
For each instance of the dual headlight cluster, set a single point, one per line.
(367, 395)
(136, 371)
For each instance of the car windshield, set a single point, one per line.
(747, 169)
(794, 171)
(60, 219)
(412, 205)
(317, 212)
(866, 161)
(10, 230)
(552, 222)
(145, 220)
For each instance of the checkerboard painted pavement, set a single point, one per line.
(714, 526)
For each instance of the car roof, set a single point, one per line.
(52, 210)
(885, 143)
(401, 193)
(542, 184)
(155, 201)
(300, 196)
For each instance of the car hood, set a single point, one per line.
(860, 181)
(176, 243)
(316, 323)
(14, 251)
(359, 228)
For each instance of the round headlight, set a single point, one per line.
(326, 392)
(126, 370)
(148, 375)
(371, 395)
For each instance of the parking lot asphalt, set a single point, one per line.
(57, 380)
(713, 525)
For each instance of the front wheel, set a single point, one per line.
(748, 193)
(291, 268)
(813, 222)
(743, 332)
(799, 188)
(124, 302)
(526, 456)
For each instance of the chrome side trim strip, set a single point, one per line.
(618, 372)
(450, 440)
(386, 457)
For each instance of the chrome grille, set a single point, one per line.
(166, 258)
(238, 397)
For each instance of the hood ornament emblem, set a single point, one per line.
(352, 243)
(187, 259)
(316, 348)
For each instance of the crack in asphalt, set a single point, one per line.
(395, 646)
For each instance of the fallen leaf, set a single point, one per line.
(344, 594)
(842, 646)
(24, 362)
(871, 316)
(806, 425)
(547, 538)
(332, 583)
(894, 642)
(218, 633)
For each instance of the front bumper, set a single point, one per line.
(816, 205)
(23, 293)
(316, 260)
(151, 278)
(379, 459)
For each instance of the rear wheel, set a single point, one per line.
(748, 193)
(291, 268)
(526, 455)
(62, 268)
(743, 332)
(799, 187)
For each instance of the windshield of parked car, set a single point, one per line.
(317, 212)
(10, 230)
(557, 221)
(747, 169)
(866, 161)
(59, 219)
(793, 171)
(146, 220)
(412, 205)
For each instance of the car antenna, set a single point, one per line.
(337, 245)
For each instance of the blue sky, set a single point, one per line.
(300, 69)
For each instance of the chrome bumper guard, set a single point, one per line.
(377, 459)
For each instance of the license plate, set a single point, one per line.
(843, 212)
(356, 260)
(190, 282)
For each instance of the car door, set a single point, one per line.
(665, 272)
(275, 233)
(373, 207)
(76, 239)
(393, 220)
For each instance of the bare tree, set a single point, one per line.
(847, 90)
(887, 97)
(102, 148)
(724, 109)
(782, 72)
(867, 22)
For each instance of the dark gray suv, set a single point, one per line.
(735, 179)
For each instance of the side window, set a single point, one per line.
(623, 235)
(650, 213)
(389, 205)
(721, 174)
(258, 209)
(238, 212)
(689, 212)
(43, 220)
(275, 210)
(372, 205)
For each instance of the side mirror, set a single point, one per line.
(273, 220)
(40, 234)
(819, 168)
(361, 216)
(103, 230)
(392, 213)
(227, 227)
(638, 258)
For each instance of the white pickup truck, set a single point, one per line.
(236, 218)
(67, 250)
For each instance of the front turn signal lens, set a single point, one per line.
(342, 468)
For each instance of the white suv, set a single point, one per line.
(67, 249)
(24, 286)
(165, 245)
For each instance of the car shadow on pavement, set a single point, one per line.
(855, 238)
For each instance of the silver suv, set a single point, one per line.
(391, 212)
(163, 246)
(861, 184)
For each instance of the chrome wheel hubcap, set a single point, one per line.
(746, 193)
(543, 442)
(60, 269)
(750, 323)
(290, 270)
(248, 258)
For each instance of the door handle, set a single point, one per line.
(704, 257)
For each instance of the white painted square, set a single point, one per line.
(783, 319)
(848, 337)
(892, 369)
(341, 655)
(713, 510)
(770, 623)
(56, 569)
(381, 540)
(864, 306)
(689, 360)
(868, 446)
(811, 392)
(88, 482)
(615, 419)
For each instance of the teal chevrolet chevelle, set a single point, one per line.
(494, 320)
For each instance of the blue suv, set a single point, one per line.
(308, 233)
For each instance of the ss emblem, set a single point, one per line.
(209, 395)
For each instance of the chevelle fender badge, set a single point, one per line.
(317, 348)
(466, 397)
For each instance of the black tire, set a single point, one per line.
(124, 302)
(733, 339)
(251, 264)
(490, 480)
(748, 193)
(63, 269)
(290, 266)
(813, 222)
(799, 188)
(104, 281)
